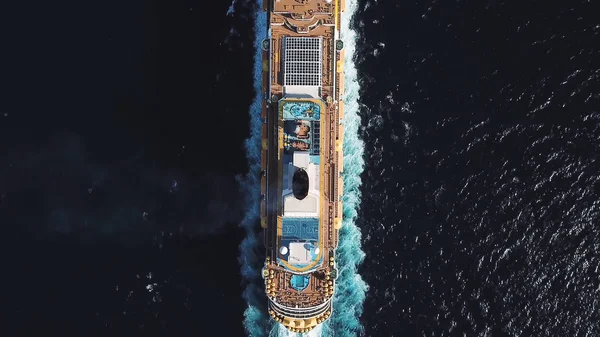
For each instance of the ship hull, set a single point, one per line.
(301, 158)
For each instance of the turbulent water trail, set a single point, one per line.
(351, 289)
(256, 320)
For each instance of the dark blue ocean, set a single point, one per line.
(480, 207)
(122, 157)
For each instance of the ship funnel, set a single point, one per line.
(300, 184)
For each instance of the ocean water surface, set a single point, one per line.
(480, 201)
(124, 162)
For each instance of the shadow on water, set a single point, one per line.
(120, 142)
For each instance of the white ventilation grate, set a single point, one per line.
(303, 61)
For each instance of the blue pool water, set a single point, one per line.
(301, 110)
(300, 282)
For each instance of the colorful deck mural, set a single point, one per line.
(300, 109)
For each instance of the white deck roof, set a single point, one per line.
(309, 206)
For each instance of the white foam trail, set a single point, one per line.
(256, 321)
(283, 332)
(350, 289)
(231, 9)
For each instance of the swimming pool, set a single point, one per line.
(306, 110)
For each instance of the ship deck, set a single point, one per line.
(302, 136)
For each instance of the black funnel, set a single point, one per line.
(300, 184)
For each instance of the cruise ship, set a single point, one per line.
(302, 158)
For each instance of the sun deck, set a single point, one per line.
(300, 236)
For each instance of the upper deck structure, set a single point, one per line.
(302, 158)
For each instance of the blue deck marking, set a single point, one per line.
(304, 232)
